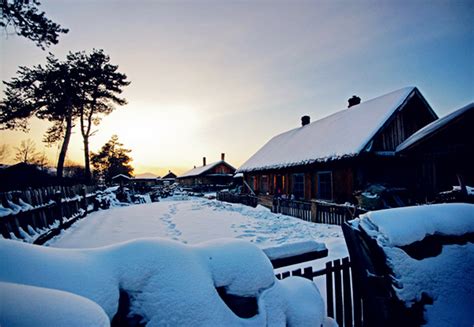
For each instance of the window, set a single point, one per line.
(325, 185)
(298, 185)
(264, 184)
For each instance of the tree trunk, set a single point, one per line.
(62, 154)
(87, 171)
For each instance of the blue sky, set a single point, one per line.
(211, 77)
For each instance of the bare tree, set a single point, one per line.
(26, 152)
(4, 152)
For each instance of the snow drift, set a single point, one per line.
(445, 277)
(168, 283)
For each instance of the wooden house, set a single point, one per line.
(331, 158)
(209, 176)
(168, 179)
(441, 154)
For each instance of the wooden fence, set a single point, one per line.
(249, 200)
(317, 211)
(343, 300)
(299, 209)
(36, 215)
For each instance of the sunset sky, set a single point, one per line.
(226, 76)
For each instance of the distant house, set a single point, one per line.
(442, 153)
(168, 179)
(121, 179)
(209, 176)
(331, 158)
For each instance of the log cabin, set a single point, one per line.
(211, 176)
(333, 157)
(441, 154)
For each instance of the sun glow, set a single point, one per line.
(158, 135)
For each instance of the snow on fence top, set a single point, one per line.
(343, 134)
(169, 283)
(446, 278)
(434, 127)
(404, 226)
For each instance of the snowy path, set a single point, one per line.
(194, 221)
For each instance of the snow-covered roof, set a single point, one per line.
(343, 134)
(435, 126)
(121, 176)
(201, 170)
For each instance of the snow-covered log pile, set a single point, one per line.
(430, 252)
(168, 283)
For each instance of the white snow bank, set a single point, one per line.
(23, 305)
(403, 226)
(169, 283)
(446, 278)
(293, 249)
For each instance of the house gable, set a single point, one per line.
(413, 114)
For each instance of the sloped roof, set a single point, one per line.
(201, 170)
(434, 127)
(343, 134)
(170, 175)
(121, 176)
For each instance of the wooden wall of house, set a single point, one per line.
(438, 161)
(222, 169)
(342, 181)
(414, 115)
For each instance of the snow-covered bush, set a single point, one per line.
(168, 283)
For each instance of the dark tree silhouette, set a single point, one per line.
(101, 84)
(112, 160)
(51, 92)
(26, 152)
(26, 20)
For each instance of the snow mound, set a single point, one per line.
(447, 277)
(403, 226)
(26, 306)
(168, 283)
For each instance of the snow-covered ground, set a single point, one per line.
(197, 220)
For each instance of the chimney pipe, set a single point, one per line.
(305, 120)
(203, 161)
(355, 100)
(222, 156)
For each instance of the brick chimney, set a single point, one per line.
(305, 120)
(355, 100)
(203, 161)
(222, 156)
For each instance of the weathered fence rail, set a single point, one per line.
(317, 211)
(249, 200)
(299, 209)
(343, 300)
(36, 215)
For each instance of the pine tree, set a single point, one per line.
(113, 159)
(50, 92)
(101, 84)
(26, 20)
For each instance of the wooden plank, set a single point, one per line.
(346, 284)
(329, 290)
(338, 293)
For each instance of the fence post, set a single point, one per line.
(84, 200)
(314, 210)
(59, 204)
(329, 290)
